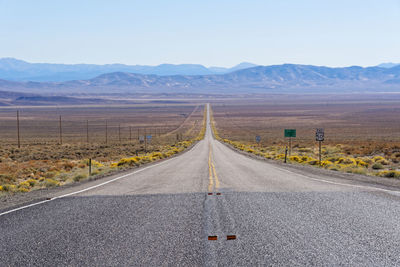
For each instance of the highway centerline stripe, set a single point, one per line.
(215, 176)
(210, 174)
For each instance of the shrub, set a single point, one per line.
(280, 156)
(50, 182)
(8, 187)
(79, 177)
(95, 163)
(313, 162)
(305, 158)
(378, 158)
(130, 161)
(389, 174)
(383, 162)
(68, 165)
(31, 182)
(347, 161)
(249, 150)
(6, 178)
(24, 184)
(326, 163)
(359, 170)
(63, 177)
(304, 150)
(361, 163)
(295, 158)
(114, 165)
(377, 166)
(23, 189)
(334, 167)
(50, 174)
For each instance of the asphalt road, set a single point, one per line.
(163, 215)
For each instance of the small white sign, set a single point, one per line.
(141, 138)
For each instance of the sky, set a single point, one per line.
(208, 32)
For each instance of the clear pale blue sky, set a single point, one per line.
(208, 32)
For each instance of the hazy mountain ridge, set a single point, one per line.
(19, 70)
(288, 78)
(388, 65)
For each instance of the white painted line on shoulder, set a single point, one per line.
(341, 184)
(91, 187)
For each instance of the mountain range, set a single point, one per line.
(286, 78)
(388, 65)
(18, 70)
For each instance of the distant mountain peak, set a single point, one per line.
(287, 78)
(388, 65)
(245, 65)
(18, 70)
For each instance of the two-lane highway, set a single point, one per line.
(209, 206)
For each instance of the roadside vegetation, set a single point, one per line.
(43, 165)
(369, 157)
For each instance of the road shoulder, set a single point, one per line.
(320, 173)
(17, 200)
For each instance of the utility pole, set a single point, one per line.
(90, 166)
(119, 133)
(87, 131)
(60, 126)
(145, 141)
(18, 137)
(106, 133)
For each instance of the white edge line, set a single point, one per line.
(320, 180)
(336, 183)
(92, 187)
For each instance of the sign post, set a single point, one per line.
(285, 154)
(145, 141)
(290, 133)
(258, 139)
(90, 166)
(319, 137)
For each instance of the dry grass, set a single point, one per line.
(43, 162)
(359, 137)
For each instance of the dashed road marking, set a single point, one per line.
(230, 237)
(212, 237)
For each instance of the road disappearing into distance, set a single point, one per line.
(209, 206)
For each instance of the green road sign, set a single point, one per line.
(290, 132)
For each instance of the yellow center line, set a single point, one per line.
(215, 176)
(211, 182)
(212, 172)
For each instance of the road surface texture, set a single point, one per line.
(165, 214)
